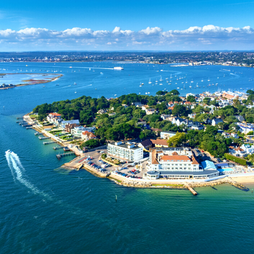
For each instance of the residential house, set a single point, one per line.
(166, 117)
(70, 126)
(150, 111)
(146, 144)
(87, 135)
(246, 127)
(159, 142)
(167, 134)
(239, 118)
(74, 122)
(216, 121)
(54, 118)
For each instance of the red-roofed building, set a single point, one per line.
(54, 118)
(87, 135)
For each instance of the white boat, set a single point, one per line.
(150, 82)
(118, 68)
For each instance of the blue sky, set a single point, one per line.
(152, 25)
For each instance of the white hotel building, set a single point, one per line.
(126, 151)
(177, 163)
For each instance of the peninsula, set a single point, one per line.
(154, 141)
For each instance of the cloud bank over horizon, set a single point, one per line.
(208, 37)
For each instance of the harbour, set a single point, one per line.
(48, 204)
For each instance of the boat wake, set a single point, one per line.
(17, 171)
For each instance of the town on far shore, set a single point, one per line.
(145, 140)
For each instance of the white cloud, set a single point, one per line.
(195, 37)
(152, 30)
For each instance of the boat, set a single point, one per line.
(75, 83)
(150, 82)
(118, 68)
(141, 84)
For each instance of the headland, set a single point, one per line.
(135, 154)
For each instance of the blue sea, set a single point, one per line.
(45, 209)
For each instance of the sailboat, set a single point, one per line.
(150, 82)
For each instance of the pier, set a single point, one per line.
(59, 156)
(48, 143)
(57, 147)
(42, 137)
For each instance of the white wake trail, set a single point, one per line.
(15, 165)
(9, 164)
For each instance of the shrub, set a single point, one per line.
(235, 159)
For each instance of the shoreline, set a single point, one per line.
(77, 164)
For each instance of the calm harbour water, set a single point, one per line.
(47, 210)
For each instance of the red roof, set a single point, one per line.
(175, 158)
(55, 114)
(162, 142)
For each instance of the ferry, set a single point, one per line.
(118, 68)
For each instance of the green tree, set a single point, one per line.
(179, 110)
(177, 140)
(174, 92)
(92, 143)
(145, 134)
(191, 98)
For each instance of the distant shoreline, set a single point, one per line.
(32, 81)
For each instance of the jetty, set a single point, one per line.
(239, 185)
(57, 147)
(42, 137)
(59, 156)
(191, 189)
(49, 142)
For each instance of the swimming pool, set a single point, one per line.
(225, 169)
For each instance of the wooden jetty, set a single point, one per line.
(59, 156)
(29, 127)
(50, 142)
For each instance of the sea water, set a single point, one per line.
(45, 209)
